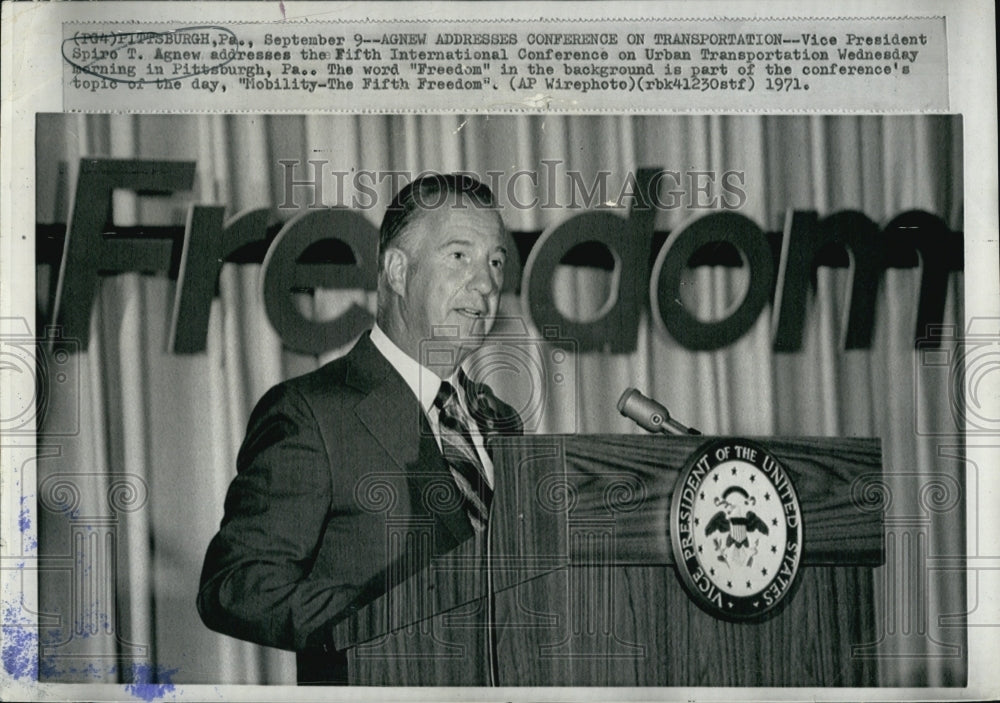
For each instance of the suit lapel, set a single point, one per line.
(393, 416)
(433, 469)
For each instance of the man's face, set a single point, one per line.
(455, 271)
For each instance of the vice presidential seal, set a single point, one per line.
(736, 528)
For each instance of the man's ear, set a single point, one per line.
(396, 264)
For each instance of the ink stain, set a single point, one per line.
(20, 646)
(143, 678)
(24, 518)
(30, 544)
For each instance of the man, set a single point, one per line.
(329, 456)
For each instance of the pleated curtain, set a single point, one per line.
(175, 422)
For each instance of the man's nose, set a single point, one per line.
(482, 280)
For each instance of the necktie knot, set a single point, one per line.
(446, 395)
(452, 413)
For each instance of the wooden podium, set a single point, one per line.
(575, 585)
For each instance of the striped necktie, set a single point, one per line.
(460, 454)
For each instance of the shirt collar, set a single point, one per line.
(422, 381)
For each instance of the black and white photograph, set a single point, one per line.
(759, 276)
(478, 402)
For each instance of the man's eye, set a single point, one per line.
(497, 263)
(458, 255)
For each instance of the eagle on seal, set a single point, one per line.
(739, 522)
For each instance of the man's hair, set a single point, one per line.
(429, 192)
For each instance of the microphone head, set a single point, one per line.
(624, 400)
(645, 412)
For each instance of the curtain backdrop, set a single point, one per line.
(173, 423)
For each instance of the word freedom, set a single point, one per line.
(298, 260)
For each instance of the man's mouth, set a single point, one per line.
(470, 312)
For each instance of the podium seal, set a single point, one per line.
(736, 528)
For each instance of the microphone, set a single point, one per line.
(649, 414)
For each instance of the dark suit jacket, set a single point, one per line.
(327, 457)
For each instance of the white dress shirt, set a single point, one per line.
(425, 385)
